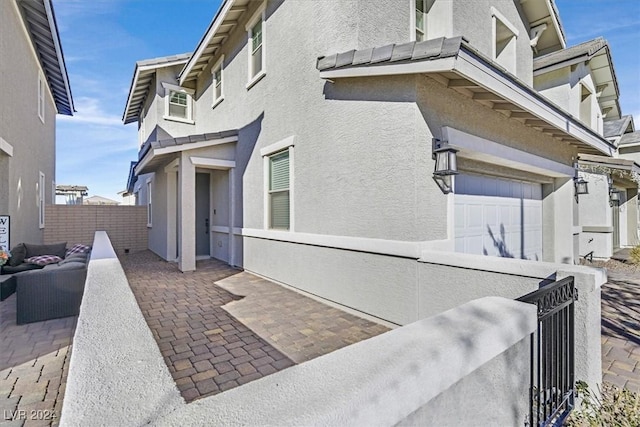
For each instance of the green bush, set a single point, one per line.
(634, 255)
(614, 407)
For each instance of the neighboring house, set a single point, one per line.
(298, 141)
(582, 80)
(99, 200)
(72, 194)
(34, 87)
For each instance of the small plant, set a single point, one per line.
(634, 255)
(614, 407)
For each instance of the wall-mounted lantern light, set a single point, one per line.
(446, 165)
(579, 183)
(614, 196)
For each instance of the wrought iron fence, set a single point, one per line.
(552, 391)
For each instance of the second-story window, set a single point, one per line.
(218, 94)
(256, 46)
(178, 103)
(421, 20)
(504, 41)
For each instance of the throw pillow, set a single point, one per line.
(18, 253)
(57, 249)
(43, 260)
(78, 248)
(74, 258)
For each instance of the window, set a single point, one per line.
(279, 190)
(41, 90)
(178, 103)
(585, 105)
(504, 41)
(40, 191)
(218, 94)
(419, 12)
(256, 47)
(149, 204)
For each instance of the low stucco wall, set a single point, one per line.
(416, 373)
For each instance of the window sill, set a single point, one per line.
(178, 119)
(217, 101)
(256, 79)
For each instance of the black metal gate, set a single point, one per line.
(552, 391)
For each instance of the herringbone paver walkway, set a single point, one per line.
(207, 349)
(621, 330)
(34, 362)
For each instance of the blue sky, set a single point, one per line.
(102, 40)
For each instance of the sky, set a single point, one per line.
(102, 40)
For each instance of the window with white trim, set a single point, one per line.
(178, 103)
(256, 46)
(279, 202)
(585, 104)
(217, 83)
(41, 206)
(41, 91)
(504, 41)
(419, 12)
(149, 204)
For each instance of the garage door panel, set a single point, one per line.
(499, 217)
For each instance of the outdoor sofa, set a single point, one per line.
(48, 280)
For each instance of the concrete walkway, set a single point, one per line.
(213, 340)
(34, 362)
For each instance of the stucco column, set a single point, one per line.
(172, 214)
(557, 225)
(631, 208)
(186, 214)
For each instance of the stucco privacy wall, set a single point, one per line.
(125, 225)
(32, 140)
(447, 280)
(385, 380)
(596, 217)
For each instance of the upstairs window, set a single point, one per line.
(178, 103)
(41, 91)
(40, 191)
(420, 10)
(149, 203)
(256, 47)
(586, 98)
(218, 94)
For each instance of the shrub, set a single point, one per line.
(634, 255)
(614, 407)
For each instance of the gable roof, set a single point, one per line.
(598, 53)
(615, 128)
(461, 67)
(543, 14)
(40, 22)
(142, 77)
(631, 138)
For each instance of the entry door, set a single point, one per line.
(498, 217)
(202, 214)
(615, 213)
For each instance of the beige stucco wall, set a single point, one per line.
(125, 225)
(33, 142)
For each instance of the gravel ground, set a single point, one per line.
(614, 266)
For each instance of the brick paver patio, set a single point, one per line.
(621, 330)
(34, 362)
(207, 349)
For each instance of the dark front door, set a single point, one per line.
(202, 214)
(616, 224)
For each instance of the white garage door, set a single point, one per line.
(498, 217)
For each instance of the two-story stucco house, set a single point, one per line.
(34, 87)
(582, 80)
(299, 140)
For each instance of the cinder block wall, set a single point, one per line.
(126, 226)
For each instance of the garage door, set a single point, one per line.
(498, 217)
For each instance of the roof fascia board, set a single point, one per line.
(204, 42)
(53, 27)
(435, 66)
(560, 65)
(478, 71)
(553, 13)
(136, 75)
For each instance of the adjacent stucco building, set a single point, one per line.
(34, 87)
(297, 141)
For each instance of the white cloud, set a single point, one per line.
(90, 111)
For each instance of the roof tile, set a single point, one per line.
(427, 48)
(381, 54)
(344, 58)
(402, 51)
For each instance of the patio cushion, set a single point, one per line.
(44, 260)
(8, 269)
(78, 248)
(58, 249)
(74, 258)
(18, 254)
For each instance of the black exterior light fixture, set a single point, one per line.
(446, 164)
(580, 184)
(614, 196)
